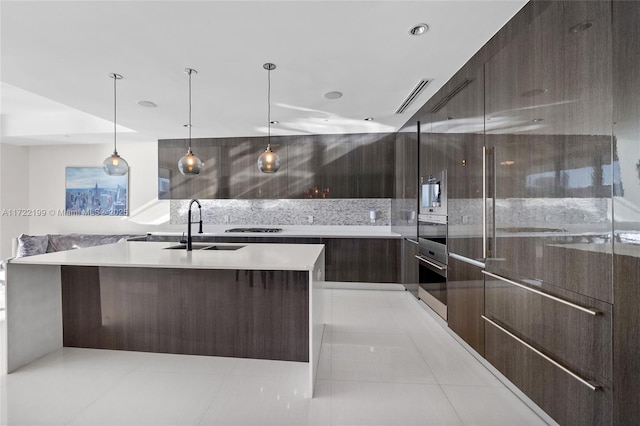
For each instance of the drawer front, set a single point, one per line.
(566, 399)
(555, 323)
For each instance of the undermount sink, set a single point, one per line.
(204, 247)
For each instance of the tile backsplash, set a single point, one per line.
(288, 212)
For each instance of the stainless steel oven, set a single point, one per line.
(432, 258)
(433, 193)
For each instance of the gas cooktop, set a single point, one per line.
(254, 230)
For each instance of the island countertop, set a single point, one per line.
(287, 257)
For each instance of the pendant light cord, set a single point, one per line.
(269, 109)
(115, 109)
(190, 71)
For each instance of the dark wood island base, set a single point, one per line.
(232, 313)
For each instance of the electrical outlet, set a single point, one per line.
(465, 218)
(310, 218)
(226, 218)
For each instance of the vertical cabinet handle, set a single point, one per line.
(551, 360)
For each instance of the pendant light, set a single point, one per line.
(189, 164)
(269, 162)
(115, 165)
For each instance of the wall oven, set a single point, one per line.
(432, 258)
(433, 193)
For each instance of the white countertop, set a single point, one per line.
(288, 231)
(288, 257)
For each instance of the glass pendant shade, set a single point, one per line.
(189, 164)
(268, 162)
(115, 165)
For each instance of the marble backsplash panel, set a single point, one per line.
(288, 212)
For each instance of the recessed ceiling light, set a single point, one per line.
(274, 121)
(580, 27)
(368, 119)
(418, 29)
(333, 95)
(147, 104)
(534, 92)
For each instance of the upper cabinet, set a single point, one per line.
(315, 166)
(460, 126)
(551, 170)
(404, 206)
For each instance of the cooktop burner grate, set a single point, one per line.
(254, 230)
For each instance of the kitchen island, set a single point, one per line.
(239, 300)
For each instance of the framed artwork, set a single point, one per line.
(91, 192)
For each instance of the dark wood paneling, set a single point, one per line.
(465, 302)
(251, 314)
(576, 338)
(565, 399)
(548, 107)
(404, 206)
(316, 166)
(347, 259)
(81, 310)
(410, 273)
(626, 341)
(370, 260)
(626, 208)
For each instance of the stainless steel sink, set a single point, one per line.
(227, 248)
(204, 247)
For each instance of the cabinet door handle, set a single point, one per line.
(467, 260)
(435, 265)
(412, 241)
(541, 293)
(551, 360)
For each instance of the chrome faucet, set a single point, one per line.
(189, 239)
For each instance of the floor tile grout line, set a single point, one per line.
(215, 396)
(102, 394)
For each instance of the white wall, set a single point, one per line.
(14, 195)
(47, 189)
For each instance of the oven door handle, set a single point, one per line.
(428, 262)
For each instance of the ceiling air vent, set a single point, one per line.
(437, 107)
(413, 95)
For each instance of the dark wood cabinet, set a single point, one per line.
(626, 210)
(315, 166)
(566, 399)
(368, 260)
(548, 131)
(465, 302)
(410, 274)
(552, 320)
(460, 124)
(404, 205)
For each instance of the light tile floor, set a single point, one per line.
(384, 361)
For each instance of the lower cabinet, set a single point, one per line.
(566, 399)
(368, 260)
(465, 302)
(372, 260)
(555, 345)
(409, 272)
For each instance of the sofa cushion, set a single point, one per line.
(30, 245)
(75, 241)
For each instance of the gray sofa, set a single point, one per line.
(30, 245)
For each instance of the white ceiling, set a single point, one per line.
(56, 57)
